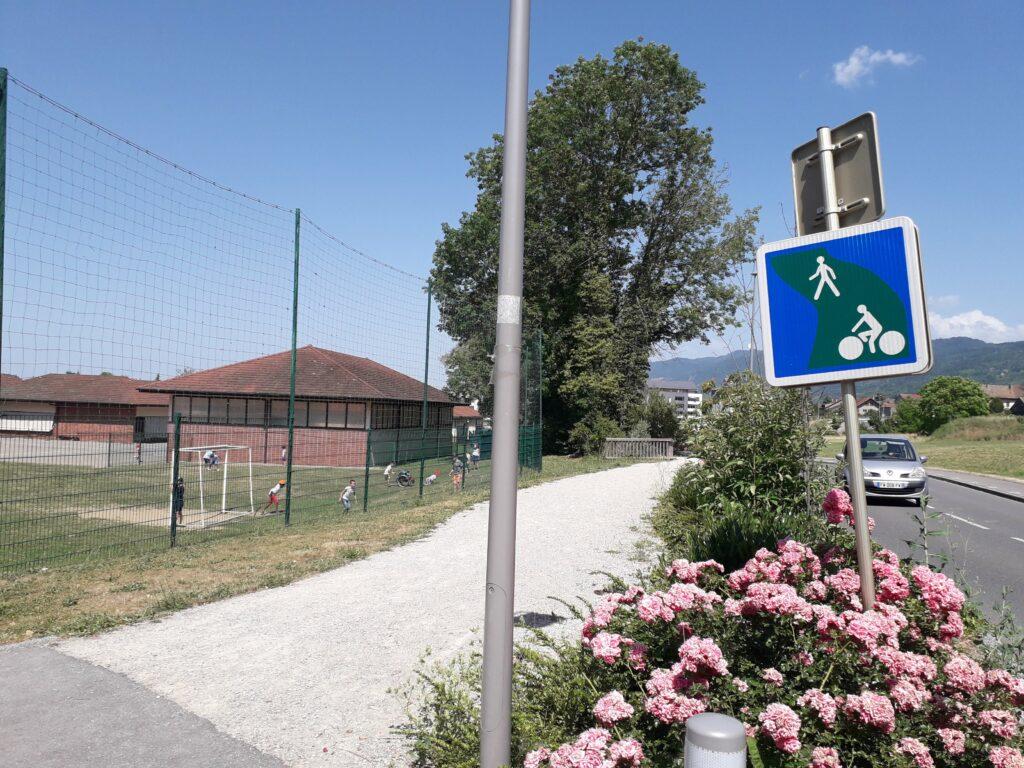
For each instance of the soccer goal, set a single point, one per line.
(214, 465)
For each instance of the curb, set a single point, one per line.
(982, 488)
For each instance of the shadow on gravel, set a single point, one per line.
(537, 620)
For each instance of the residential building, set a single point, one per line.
(685, 396)
(76, 406)
(1008, 394)
(865, 407)
(339, 400)
(467, 418)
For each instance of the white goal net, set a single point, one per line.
(218, 484)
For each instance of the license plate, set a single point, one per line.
(889, 484)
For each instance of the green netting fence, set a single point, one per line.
(156, 324)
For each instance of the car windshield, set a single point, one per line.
(880, 448)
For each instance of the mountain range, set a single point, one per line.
(959, 356)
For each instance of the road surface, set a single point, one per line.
(985, 538)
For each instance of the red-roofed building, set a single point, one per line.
(74, 406)
(467, 418)
(338, 399)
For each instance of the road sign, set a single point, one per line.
(843, 305)
(858, 177)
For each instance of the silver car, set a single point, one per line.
(892, 468)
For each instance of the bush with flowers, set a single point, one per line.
(783, 644)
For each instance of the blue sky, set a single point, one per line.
(361, 112)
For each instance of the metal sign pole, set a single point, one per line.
(849, 395)
(496, 700)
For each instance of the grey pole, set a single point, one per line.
(496, 701)
(714, 741)
(849, 395)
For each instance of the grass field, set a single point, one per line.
(101, 593)
(990, 445)
(53, 514)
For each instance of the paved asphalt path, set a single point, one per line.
(985, 538)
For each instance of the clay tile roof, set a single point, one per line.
(8, 380)
(465, 412)
(81, 388)
(320, 373)
(1006, 391)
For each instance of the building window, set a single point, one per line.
(412, 415)
(317, 414)
(336, 415)
(200, 409)
(181, 407)
(236, 411)
(279, 413)
(301, 413)
(218, 410)
(356, 416)
(385, 416)
(255, 412)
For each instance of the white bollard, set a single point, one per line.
(715, 741)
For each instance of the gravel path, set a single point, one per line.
(303, 672)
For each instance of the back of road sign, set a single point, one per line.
(843, 305)
(858, 174)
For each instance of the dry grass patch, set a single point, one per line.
(88, 598)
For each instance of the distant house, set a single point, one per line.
(339, 400)
(466, 418)
(76, 406)
(1008, 394)
(685, 396)
(865, 407)
(907, 396)
(887, 408)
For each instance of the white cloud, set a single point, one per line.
(975, 324)
(943, 302)
(863, 62)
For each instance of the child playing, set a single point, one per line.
(347, 494)
(272, 496)
(178, 499)
(456, 475)
(431, 478)
(475, 456)
(387, 474)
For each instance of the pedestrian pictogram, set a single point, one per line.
(843, 305)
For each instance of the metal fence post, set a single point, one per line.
(366, 472)
(714, 741)
(426, 373)
(175, 465)
(3, 185)
(291, 386)
(110, 448)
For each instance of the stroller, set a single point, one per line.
(404, 478)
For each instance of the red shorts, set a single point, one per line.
(273, 499)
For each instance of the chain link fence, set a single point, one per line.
(182, 361)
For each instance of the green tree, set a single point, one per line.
(950, 397)
(630, 238)
(661, 416)
(908, 416)
(995, 405)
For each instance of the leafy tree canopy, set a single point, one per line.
(630, 238)
(950, 397)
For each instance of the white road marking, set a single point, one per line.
(1015, 538)
(965, 520)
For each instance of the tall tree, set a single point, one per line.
(630, 238)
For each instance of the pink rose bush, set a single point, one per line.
(784, 644)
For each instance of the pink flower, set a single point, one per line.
(909, 696)
(964, 674)
(820, 702)
(690, 573)
(1000, 722)
(917, 750)
(772, 676)
(804, 658)
(825, 757)
(837, 506)
(606, 646)
(871, 629)
(953, 627)
(845, 582)
(938, 591)
(637, 659)
(782, 725)
(1000, 678)
(893, 589)
(683, 597)
(872, 709)
(626, 752)
(702, 658)
(905, 664)
(953, 740)
(740, 684)
(651, 608)
(815, 590)
(1006, 757)
(612, 708)
(535, 758)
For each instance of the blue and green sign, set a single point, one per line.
(843, 305)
